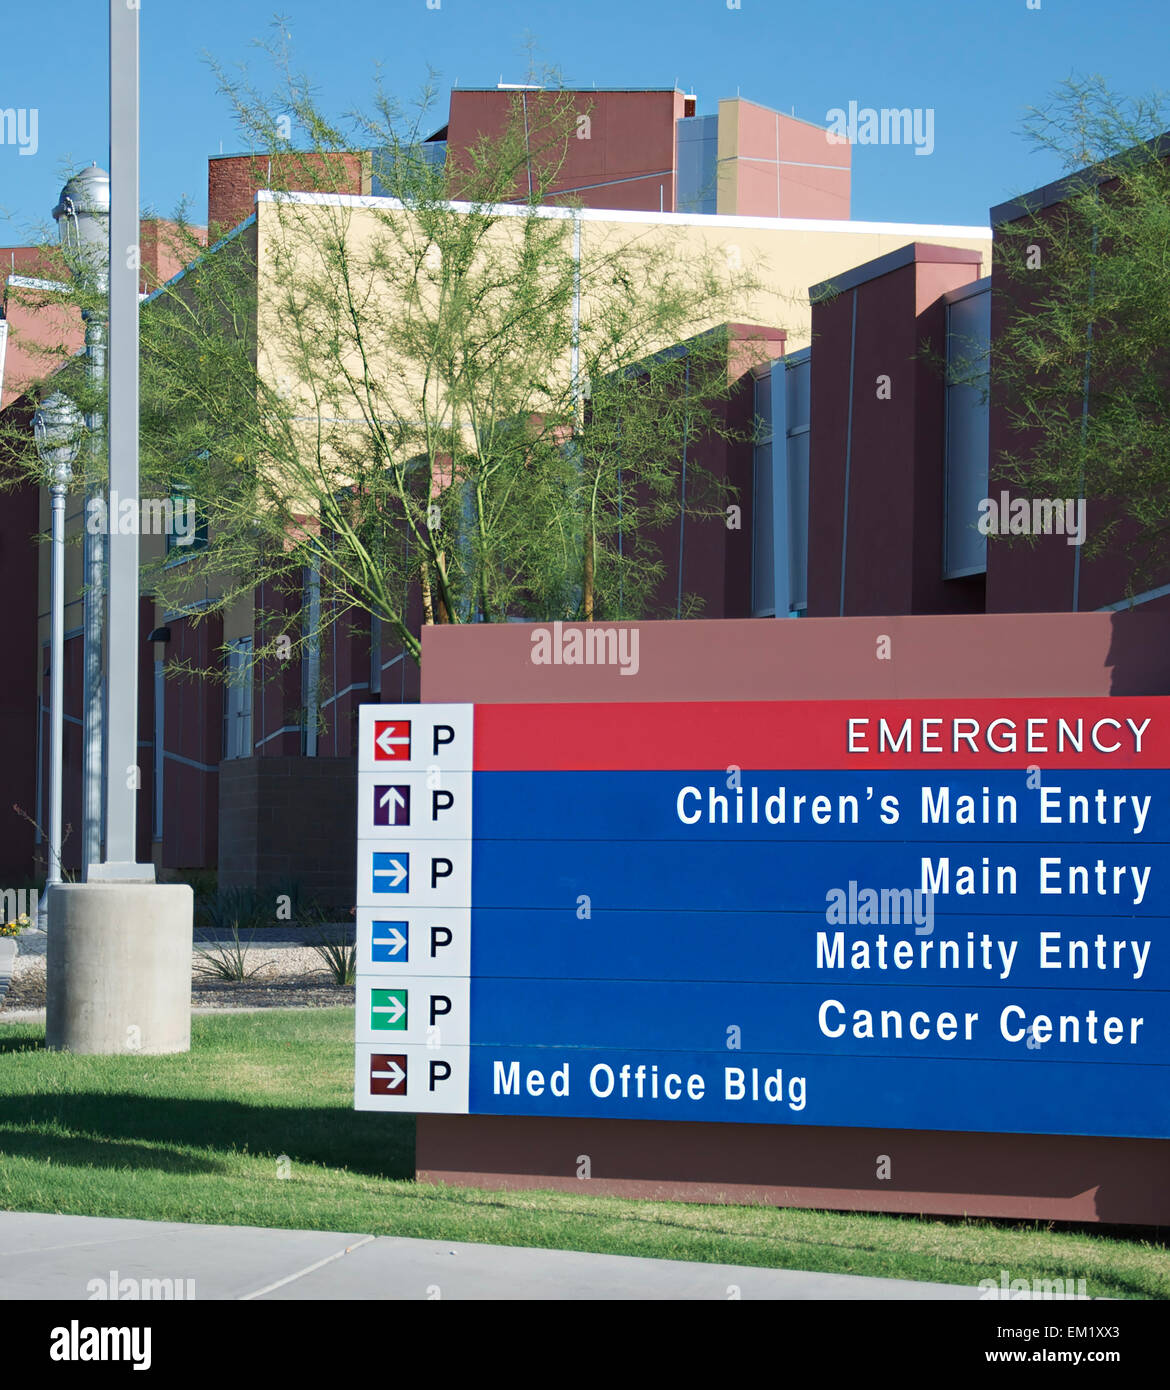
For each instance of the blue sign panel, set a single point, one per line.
(390, 942)
(391, 873)
(917, 914)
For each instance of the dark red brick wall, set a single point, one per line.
(163, 254)
(1038, 576)
(144, 812)
(276, 691)
(893, 531)
(18, 692)
(193, 736)
(715, 558)
(1020, 577)
(345, 673)
(628, 160)
(234, 180)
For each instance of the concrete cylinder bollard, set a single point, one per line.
(118, 967)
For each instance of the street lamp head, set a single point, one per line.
(57, 431)
(82, 215)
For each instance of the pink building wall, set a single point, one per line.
(784, 167)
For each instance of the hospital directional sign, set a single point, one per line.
(390, 873)
(390, 941)
(391, 804)
(388, 1009)
(927, 914)
(387, 1075)
(391, 739)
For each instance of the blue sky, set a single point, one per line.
(977, 66)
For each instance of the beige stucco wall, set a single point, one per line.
(789, 254)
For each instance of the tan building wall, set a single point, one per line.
(789, 254)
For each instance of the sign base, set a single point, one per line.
(1020, 1177)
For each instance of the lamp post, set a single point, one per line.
(118, 959)
(82, 215)
(120, 860)
(56, 428)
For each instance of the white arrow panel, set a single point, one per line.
(396, 873)
(434, 1011)
(413, 738)
(413, 1014)
(431, 805)
(426, 1080)
(413, 941)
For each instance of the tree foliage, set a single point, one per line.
(454, 401)
(1081, 364)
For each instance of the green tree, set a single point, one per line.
(1081, 363)
(455, 400)
(461, 402)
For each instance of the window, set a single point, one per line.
(798, 382)
(968, 349)
(237, 703)
(763, 481)
(780, 489)
(186, 530)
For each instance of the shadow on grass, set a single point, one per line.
(78, 1151)
(21, 1044)
(65, 1129)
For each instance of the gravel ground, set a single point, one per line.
(278, 978)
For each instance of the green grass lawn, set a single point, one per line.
(200, 1138)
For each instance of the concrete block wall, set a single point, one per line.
(284, 818)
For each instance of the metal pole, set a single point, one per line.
(118, 963)
(313, 661)
(56, 681)
(93, 734)
(123, 776)
(55, 426)
(82, 216)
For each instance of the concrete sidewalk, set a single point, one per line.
(83, 1257)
